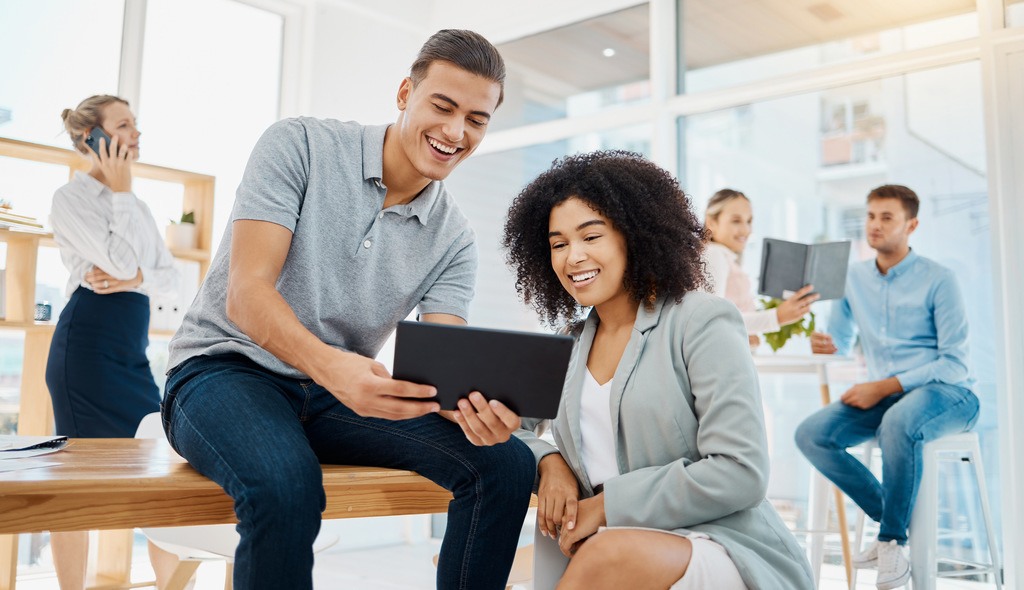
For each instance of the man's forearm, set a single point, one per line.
(265, 317)
(887, 387)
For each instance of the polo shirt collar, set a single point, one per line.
(373, 169)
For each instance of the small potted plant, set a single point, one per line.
(181, 235)
(778, 339)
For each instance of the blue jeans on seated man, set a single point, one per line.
(902, 423)
(262, 437)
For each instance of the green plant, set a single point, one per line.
(778, 339)
(187, 217)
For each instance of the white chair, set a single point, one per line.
(196, 544)
(924, 531)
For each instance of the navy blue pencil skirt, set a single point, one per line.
(97, 371)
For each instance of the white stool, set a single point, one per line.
(924, 531)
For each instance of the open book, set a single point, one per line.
(789, 266)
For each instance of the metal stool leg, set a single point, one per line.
(979, 474)
(924, 525)
(867, 458)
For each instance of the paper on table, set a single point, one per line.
(18, 447)
(15, 465)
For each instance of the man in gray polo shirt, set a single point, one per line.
(338, 232)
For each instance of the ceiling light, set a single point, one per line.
(608, 52)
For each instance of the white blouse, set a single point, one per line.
(730, 281)
(598, 437)
(116, 232)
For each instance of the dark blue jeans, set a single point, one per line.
(902, 423)
(262, 437)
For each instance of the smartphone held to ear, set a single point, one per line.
(93, 140)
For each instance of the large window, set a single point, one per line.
(210, 84)
(205, 102)
(54, 54)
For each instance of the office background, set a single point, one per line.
(804, 106)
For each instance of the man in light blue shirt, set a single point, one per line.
(910, 317)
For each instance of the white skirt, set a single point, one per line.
(710, 564)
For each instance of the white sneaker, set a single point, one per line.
(868, 558)
(893, 567)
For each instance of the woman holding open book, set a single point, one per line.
(97, 371)
(729, 219)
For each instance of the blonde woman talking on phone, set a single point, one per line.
(97, 371)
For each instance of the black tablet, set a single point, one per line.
(523, 370)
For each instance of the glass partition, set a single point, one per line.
(807, 163)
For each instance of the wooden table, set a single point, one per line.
(816, 364)
(127, 483)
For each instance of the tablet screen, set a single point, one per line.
(523, 370)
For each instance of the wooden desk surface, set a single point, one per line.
(125, 483)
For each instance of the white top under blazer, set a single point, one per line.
(598, 448)
(116, 232)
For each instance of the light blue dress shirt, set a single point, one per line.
(911, 321)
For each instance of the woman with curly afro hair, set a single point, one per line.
(660, 471)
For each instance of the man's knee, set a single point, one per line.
(507, 470)
(290, 492)
(522, 463)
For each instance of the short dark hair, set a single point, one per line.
(664, 239)
(466, 49)
(907, 197)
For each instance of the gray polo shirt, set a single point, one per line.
(353, 269)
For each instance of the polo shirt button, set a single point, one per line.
(380, 215)
(367, 244)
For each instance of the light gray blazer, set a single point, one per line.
(689, 436)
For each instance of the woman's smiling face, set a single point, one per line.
(588, 254)
(733, 225)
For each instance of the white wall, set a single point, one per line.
(359, 58)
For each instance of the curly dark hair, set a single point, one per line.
(664, 239)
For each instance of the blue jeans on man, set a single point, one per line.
(262, 437)
(902, 423)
